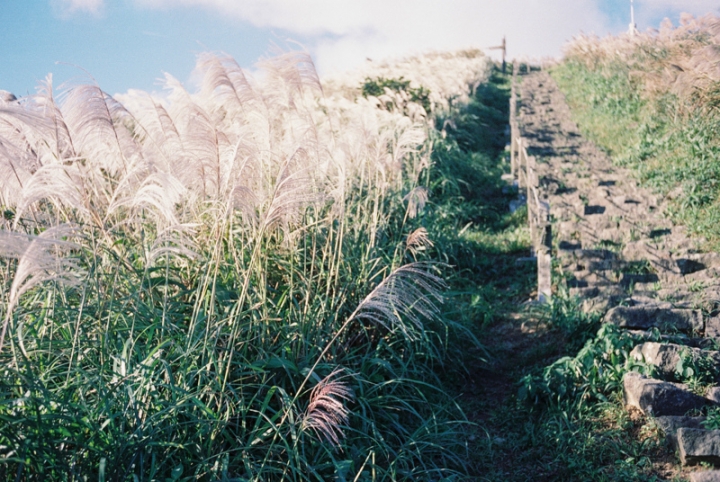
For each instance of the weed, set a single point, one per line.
(378, 87)
(712, 419)
(697, 371)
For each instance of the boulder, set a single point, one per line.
(658, 398)
(698, 445)
(643, 317)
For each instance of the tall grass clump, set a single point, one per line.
(225, 284)
(652, 101)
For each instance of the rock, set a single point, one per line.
(629, 280)
(712, 327)
(688, 266)
(593, 254)
(594, 209)
(698, 445)
(648, 316)
(665, 356)
(589, 292)
(713, 394)
(706, 476)
(670, 424)
(6, 96)
(650, 335)
(640, 300)
(600, 304)
(658, 398)
(569, 245)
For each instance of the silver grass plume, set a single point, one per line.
(89, 113)
(416, 199)
(225, 82)
(158, 192)
(418, 241)
(45, 100)
(296, 70)
(173, 241)
(201, 164)
(40, 258)
(326, 413)
(293, 190)
(410, 293)
(59, 184)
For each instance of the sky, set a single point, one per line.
(130, 44)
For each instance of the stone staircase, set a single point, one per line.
(622, 257)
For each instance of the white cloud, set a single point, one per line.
(342, 33)
(69, 7)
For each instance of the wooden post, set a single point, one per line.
(530, 178)
(504, 52)
(502, 47)
(513, 126)
(543, 253)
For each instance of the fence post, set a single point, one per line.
(530, 183)
(543, 252)
(513, 122)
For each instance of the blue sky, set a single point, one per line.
(128, 44)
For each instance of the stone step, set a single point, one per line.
(658, 398)
(605, 291)
(643, 317)
(677, 338)
(665, 356)
(705, 476)
(697, 445)
(708, 275)
(670, 424)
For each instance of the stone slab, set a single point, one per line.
(665, 356)
(643, 317)
(698, 445)
(670, 424)
(658, 398)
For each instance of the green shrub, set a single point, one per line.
(376, 87)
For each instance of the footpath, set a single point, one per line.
(623, 258)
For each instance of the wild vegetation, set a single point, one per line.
(652, 101)
(287, 279)
(234, 284)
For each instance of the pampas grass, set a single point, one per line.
(185, 277)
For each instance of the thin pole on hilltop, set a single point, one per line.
(632, 29)
(502, 47)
